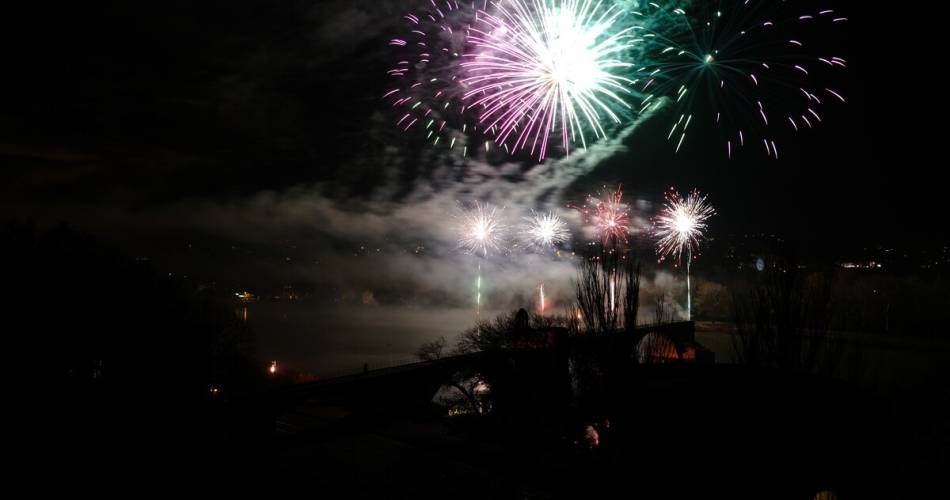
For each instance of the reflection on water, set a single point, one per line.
(325, 340)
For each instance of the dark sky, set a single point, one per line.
(164, 122)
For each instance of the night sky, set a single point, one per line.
(197, 149)
(185, 130)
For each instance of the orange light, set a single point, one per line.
(273, 367)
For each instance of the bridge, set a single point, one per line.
(411, 386)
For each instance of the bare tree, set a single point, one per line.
(469, 385)
(662, 312)
(593, 293)
(488, 335)
(631, 296)
(785, 321)
(607, 290)
(574, 321)
(431, 351)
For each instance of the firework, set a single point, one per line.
(481, 230)
(478, 292)
(544, 230)
(541, 298)
(755, 70)
(608, 215)
(681, 224)
(536, 69)
(679, 228)
(424, 88)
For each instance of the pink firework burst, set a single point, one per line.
(543, 69)
(608, 215)
(424, 91)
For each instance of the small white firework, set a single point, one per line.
(681, 224)
(544, 230)
(481, 229)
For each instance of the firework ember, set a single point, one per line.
(751, 71)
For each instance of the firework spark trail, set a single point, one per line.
(751, 66)
(541, 296)
(424, 85)
(679, 228)
(542, 67)
(478, 292)
(608, 215)
(544, 230)
(613, 298)
(481, 231)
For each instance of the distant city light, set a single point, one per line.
(862, 265)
